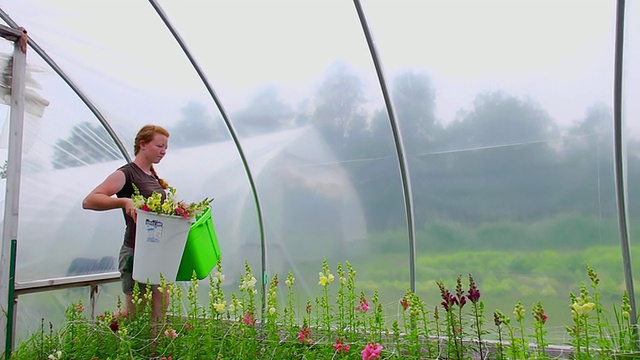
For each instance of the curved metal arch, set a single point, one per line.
(72, 85)
(397, 136)
(236, 141)
(619, 156)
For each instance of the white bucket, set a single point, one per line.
(160, 241)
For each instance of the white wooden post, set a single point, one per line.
(14, 158)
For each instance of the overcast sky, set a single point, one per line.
(559, 52)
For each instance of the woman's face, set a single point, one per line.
(156, 149)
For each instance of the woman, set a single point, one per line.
(150, 146)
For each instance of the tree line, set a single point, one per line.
(503, 157)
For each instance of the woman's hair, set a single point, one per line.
(145, 136)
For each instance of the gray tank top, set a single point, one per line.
(147, 185)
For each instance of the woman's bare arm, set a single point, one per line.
(101, 198)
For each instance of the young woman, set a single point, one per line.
(150, 146)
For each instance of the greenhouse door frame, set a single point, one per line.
(12, 195)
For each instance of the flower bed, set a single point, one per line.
(341, 323)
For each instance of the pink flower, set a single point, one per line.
(166, 358)
(248, 318)
(340, 346)
(171, 333)
(144, 207)
(305, 335)
(371, 351)
(364, 305)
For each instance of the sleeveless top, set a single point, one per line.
(147, 185)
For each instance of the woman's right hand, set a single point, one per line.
(129, 209)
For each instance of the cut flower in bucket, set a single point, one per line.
(170, 206)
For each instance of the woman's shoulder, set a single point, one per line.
(128, 167)
(129, 170)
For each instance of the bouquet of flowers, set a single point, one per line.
(170, 206)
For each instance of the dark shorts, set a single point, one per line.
(125, 266)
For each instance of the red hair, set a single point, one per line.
(145, 135)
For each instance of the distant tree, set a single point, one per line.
(86, 144)
(266, 112)
(593, 133)
(497, 118)
(501, 154)
(589, 155)
(196, 127)
(414, 101)
(3, 170)
(339, 105)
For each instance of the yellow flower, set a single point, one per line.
(588, 306)
(325, 279)
(167, 207)
(220, 306)
(580, 310)
(518, 312)
(290, 281)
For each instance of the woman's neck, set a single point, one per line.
(143, 165)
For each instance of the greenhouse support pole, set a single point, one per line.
(619, 156)
(14, 163)
(397, 136)
(236, 141)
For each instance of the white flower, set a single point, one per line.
(137, 203)
(218, 277)
(248, 282)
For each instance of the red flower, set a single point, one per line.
(340, 346)
(114, 326)
(405, 303)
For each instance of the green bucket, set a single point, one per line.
(202, 251)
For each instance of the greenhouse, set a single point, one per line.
(467, 171)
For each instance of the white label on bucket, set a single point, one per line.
(154, 230)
